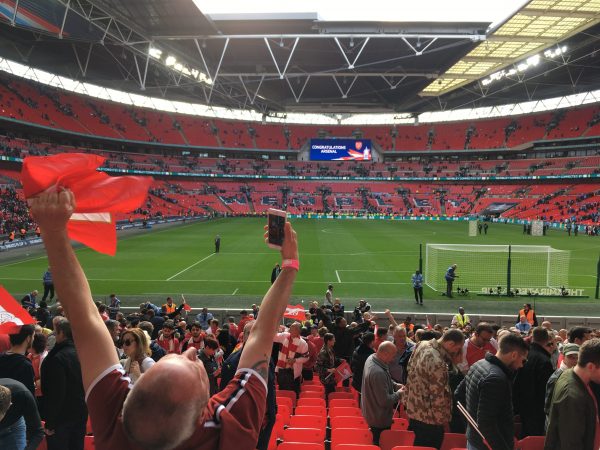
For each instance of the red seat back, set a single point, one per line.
(393, 438)
(348, 422)
(350, 436)
(454, 440)
(311, 435)
(344, 411)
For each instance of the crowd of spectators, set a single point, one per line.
(214, 383)
(430, 368)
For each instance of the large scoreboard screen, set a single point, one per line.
(340, 150)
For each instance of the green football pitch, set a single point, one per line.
(371, 259)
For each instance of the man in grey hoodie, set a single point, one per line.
(379, 392)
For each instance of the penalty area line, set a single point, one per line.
(189, 267)
(234, 292)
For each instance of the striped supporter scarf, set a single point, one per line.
(288, 351)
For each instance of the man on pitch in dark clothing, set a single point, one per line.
(217, 243)
(20, 424)
(64, 398)
(275, 273)
(417, 282)
(48, 285)
(450, 277)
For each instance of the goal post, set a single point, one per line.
(484, 267)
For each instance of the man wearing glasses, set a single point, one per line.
(530, 384)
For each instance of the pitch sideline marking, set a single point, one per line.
(234, 292)
(189, 267)
(338, 276)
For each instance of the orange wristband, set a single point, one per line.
(291, 263)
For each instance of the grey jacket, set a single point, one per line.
(379, 393)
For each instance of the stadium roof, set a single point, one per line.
(297, 61)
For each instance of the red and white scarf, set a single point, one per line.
(173, 347)
(287, 351)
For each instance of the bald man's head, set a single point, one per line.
(386, 352)
(155, 395)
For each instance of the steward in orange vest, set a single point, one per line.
(529, 315)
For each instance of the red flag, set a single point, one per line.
(429, 327)
(187, 307)
(342, 372)
(12, 315)
(97, 195)
(295, 312)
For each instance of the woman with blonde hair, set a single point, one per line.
(136, 346)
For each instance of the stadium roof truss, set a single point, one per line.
(540, 25)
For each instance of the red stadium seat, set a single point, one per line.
(303, 401)
(350, 436)
(283, 419)
(348, 422)
(454, 440)
(347, 402)
(319, 422)
(284, 411)
(333, 395)
(289, 394)
(311, 435)
(393, 438)
(285, 401)
(300, 446)
(312, 387)
(43, 445)
(355, 447)
(400, 424)
(344, 411)
(88, 443)
(531, 443)
(412, 447)
(312, 394)
(311, 411)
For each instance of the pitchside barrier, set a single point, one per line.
(443, 319)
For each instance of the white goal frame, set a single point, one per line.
(479, 272)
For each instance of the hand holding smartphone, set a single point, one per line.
(275, 228)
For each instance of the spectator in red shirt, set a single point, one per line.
(243, 321)
(380, 337)
(174, 392)
(196, 338)
(477, 346)
(167, 340)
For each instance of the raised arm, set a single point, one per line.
(257, 350)
(390, 317)
(93, 342)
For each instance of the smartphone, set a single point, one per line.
(276, 227)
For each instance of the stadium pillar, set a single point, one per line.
(421, 258)
(598, 279)
(508, 272)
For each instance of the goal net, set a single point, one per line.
(481, 267)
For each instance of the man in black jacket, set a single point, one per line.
(64, 397)
(359, 358)
(344, 339)
(530, 385)
(486, 393)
